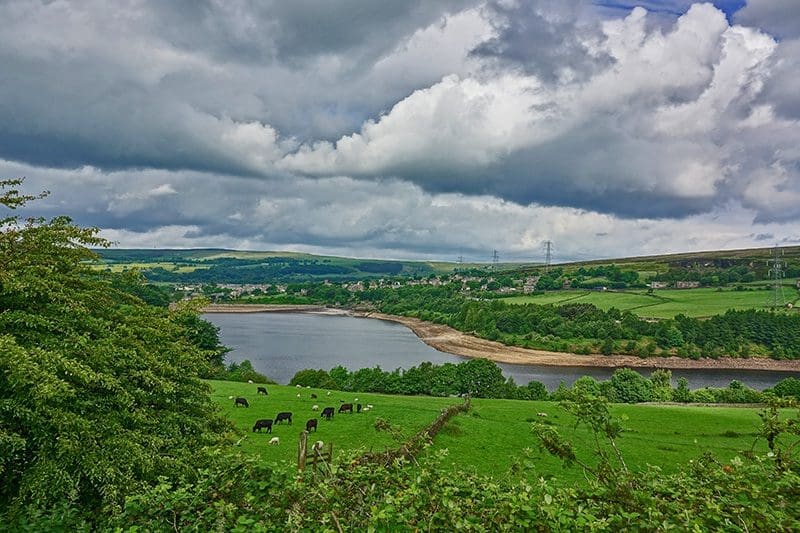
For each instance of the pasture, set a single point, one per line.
(495, 434)
(664, 303)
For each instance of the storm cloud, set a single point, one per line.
(410, 129)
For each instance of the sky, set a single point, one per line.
(422, 129)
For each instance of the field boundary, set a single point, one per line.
(411, 447)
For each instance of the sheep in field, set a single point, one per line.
(315, 407)
(317, 446)
(275, 441)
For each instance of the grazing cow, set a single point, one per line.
(275, 441)
(346, 407)
(313, 396)
(263, 390)
(240, 401)
(327, 413)
(263, 423)
(311, 424)
(358, 408)
(284, 416)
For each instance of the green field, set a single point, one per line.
(172, 267)
(493, 435)
(661, 303)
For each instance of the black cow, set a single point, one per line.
(346, 407)
(240, 401)
(263, 390)
(358, 408)
(283, 416)
(313, 396)
(311, 424)
(263, 423)
(327, 413)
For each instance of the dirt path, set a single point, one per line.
(448, 340)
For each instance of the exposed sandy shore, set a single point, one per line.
(448, 340)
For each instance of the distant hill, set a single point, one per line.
(211, 265)
(217, 265)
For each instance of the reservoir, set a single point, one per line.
(280, 344)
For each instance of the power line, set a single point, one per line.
(495, 259)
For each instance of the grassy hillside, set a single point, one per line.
(232, 266)
(663, 303)
(495, 433)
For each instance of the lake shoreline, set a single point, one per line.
(448, 340)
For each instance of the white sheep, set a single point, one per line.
(230, 397)
(315, 407)
(317, 446)
(543, 415)
(369, 406)
(364, 410)
(299, 386)
(250, 381)
(275, 440)
(329, 393)
(298, 394)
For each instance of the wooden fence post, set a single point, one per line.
(301, 451)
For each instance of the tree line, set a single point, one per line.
(482, 378)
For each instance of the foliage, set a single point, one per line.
(242, 372)
(628, 386)
(745, 494)
(99, 393)
(787, 388)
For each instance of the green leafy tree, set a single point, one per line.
(630, 387)
(480, 377)
(99, 393)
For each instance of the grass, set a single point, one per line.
(495, 434)
(666, 303)
(172, 267)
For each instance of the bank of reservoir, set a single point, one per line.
(280, 344)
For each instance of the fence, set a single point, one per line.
(317, 457)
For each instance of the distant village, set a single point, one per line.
(510, 287)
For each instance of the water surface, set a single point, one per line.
(280, 344)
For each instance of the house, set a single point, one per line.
(657, 284)
(530, 284)
(687, 284)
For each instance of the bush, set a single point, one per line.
(630, 387)
(787, 388)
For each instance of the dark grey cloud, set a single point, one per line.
(297, 32)
(781, 18)
(546, 38)
(177, 85)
